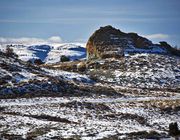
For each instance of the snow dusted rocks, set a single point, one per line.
(109, 42)
(139, 71)
(18, 78)
(88, 118)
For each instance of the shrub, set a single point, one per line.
(38, 62)
(64, 58)
(10, 52)
(3, 81)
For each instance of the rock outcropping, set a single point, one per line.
(109, 42)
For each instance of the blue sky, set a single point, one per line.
(76, 20)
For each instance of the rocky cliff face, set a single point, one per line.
(111, 42)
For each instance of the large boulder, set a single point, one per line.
(111, 42)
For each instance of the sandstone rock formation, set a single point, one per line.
(111, 42)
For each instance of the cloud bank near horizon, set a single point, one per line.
(30, 41)
(157, 36)
(58, 39)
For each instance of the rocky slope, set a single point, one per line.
(18, 78)
(138, 71)
(143, 71)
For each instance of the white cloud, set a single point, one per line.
(30, 41)
(55, 39)
(157, 36)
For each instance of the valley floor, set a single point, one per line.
(89, 118)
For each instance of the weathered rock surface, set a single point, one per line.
(108, 42)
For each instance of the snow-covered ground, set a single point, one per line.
(49, 53)
(139, 105)
(68, 75)
(86, 117)
(74, 51)
(20, 77)
(139, 70)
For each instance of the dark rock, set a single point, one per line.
(173, 129)
(38, 62)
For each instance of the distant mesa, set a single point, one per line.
(108, 42)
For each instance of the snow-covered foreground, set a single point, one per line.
(88, 117)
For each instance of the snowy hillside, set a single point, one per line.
(72, 51)
(18, 77)
(134, 97)
(48, 53)
(138, 70)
